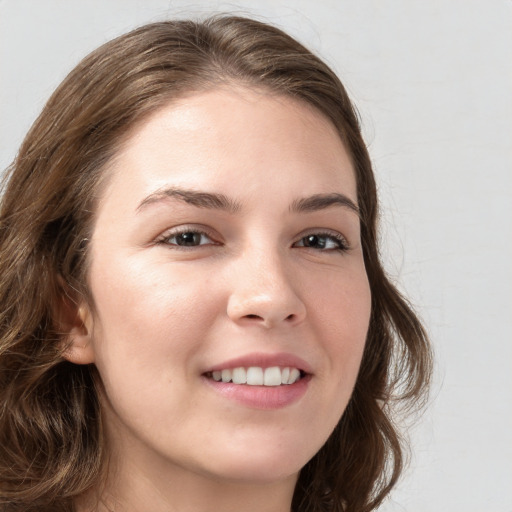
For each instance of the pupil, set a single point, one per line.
(315, 241)
(188, 238)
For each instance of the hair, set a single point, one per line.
(51, 438)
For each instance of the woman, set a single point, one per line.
(194, 314)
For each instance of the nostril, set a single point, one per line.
(252, 316)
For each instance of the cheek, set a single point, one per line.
(342, 305)
(342, 314)
(148, 320)
(339, 318)
(149, 330)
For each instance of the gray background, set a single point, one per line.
(433, 82)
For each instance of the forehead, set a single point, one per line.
(228, 136)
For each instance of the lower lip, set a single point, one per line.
(262, 397)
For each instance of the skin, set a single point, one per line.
(163, 314)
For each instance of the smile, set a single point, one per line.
(257, 376)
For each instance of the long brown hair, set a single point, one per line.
(51, 442)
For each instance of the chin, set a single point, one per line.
(263, 467)
(258, 474)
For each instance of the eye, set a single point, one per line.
(186, 238)
(323, 242)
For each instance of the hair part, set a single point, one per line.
(51, 439)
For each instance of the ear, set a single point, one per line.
(75, 323)
(78, 346)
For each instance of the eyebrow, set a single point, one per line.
(322, 201)
(214, 201)
(200, 199)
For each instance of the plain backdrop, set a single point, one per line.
(433, 83)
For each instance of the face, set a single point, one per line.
(231, 302)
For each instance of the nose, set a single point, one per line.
(263, 293)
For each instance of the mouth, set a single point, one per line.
(258, 376)
(261, 380)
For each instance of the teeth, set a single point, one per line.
(239, 376)
(272, 376)
(294, 375)
(256, 376)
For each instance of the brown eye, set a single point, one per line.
(188, 239)
(315, 241)
(322, 241)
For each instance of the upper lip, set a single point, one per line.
(263, 360)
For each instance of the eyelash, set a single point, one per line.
(340, 241)
(164, 240)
